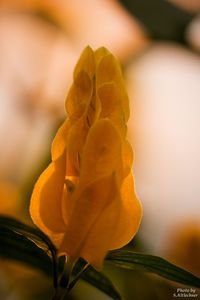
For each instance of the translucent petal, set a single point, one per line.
(108, 95)
(93, 220)
(45, 206)
(101, 152)
(109, 70)
(102, 232)
(111, 106)
(59, 142)
(94, 109)
(79, 96)
(130, 215)
(127, 157)
(86, 63)
(75, 142)
(67, 203)
(100, 53)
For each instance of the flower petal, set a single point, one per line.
(111, 106)
(130, 215)
(101, 152)
(127, 157)
(109, 70)
(59, 142)
(100, 53)
(45, 206)
(109, 98)
(75, 142)
(92, 222)
(79, 96)
(85, 63)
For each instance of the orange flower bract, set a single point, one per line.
(85, 199)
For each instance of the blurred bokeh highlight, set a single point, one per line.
(158, 45)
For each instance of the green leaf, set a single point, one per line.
(34, 234)
(86, 272)
(31, 246)
(154, 264)
(101, 282)
(17, 247)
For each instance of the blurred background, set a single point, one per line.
(158, 45)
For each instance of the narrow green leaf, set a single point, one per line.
(101, 282)
(78, 270)
(86, 272)
(17, 247)
(28, 245)
(154, 264)
(25, 238)
(31, 233)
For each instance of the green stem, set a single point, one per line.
(77, 277)
(62, 290)
(64, 281)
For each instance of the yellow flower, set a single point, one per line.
(85, 199)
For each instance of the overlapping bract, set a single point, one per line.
(85, 199)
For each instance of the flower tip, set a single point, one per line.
(86, 62)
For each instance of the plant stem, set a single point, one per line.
(62, 290)
(64, 281)
(77, 277)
